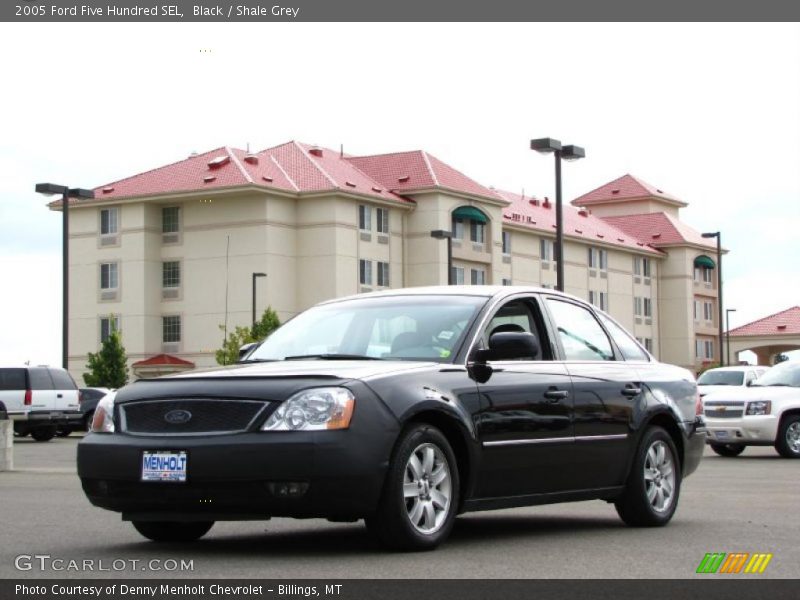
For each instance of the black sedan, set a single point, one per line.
(404, 408)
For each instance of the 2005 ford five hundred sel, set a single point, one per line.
(403, 408)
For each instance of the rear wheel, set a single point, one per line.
(788, 442)
(420, 497)
(729, 450)
(173, 531)
(651, 494)
(43, 434)
(63, 431)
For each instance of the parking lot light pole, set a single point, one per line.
(255, 276)
(728, 312)
(718, 235)
(570, 152)
(50, 189)
(442, 234)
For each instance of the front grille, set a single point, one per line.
(724, 414)
(189, 416)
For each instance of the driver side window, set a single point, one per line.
(514, 316)
(581, 335)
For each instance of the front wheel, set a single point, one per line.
(729, 450)
(788, 442)
(173, 531)
(654, 484)
(420, 497)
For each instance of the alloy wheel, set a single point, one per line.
(659, 476)
(793, 437)
(427, 488)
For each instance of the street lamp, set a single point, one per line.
(442, 234)
(718, 235)
(728, 312)
(545, 146)
(255, 276)
(50, 189)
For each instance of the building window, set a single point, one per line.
(641, 266)
(637, 306)
(506, 281)
(546, 250)
(383, 274)
(109, 221)
(708, 311)
(171, 329)
(648, 344)
(506, 242)
(477, 276)
(598, 259)
(708, 346)
(698, 348)
(477, 232)
(364, 217)
(171, 274)
(109, 276)
(697, 310)
(458, 275)
(107, 325)
(703, 274)
(365, 272)
(170, 219)
(648, 307)
(598, 299)
(382, 216)
(458, 228)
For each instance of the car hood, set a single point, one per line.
(754, 393)
(268, 380)
(710, 389)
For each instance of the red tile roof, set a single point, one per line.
(160, 360)
(626, 187)
(535, 214)
(786, 322)
(659, 229)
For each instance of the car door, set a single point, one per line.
(524, 422)
(606, 392)
(66, 392)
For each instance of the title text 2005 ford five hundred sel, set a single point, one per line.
(404, 408)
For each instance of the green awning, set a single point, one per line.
(470, 212)
(704, 261)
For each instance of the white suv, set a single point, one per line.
(39, 400)
(765, 414)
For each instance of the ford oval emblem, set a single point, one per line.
(178, 417)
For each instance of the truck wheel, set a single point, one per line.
(729, 450)
(788, 442)
(63, 432)
(420, 496)
(173, 531)
(654, 484)
(43, 434)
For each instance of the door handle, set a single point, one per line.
(59, 395)
(631, 391)
(554, 395)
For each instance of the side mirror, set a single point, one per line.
(247, 349)
(510, 345)
(749, 382)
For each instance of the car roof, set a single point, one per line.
(737, 368)
(485, 291)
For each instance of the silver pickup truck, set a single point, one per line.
(40, 400)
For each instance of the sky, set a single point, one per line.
(710, 113)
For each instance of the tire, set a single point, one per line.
(63, 432)
(788, 442)
(729, 450)
(654, 483)
(173, 531)
(43, 434)
(420, 496)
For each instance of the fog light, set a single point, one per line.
(288, 489)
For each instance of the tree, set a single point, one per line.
(229, 353)
(781, 358)
(109, 367)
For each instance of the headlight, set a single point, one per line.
(760, 407)
(313, 410)
(103, 421)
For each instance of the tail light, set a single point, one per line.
(28, 397)
(698, 405)
(80, 397)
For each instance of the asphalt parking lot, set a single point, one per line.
(745, 504)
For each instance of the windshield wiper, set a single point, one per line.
(331, 357)
(256, 360)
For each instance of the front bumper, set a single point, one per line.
(240, 476)
(746, 430)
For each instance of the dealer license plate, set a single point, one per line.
(164, 465)
(722, 434)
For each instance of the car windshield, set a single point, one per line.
(785, 374)
(386, 327)
(715, 377)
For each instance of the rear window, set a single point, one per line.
(12, 379)
(62, 380)
(40, 379)
(89, 394)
